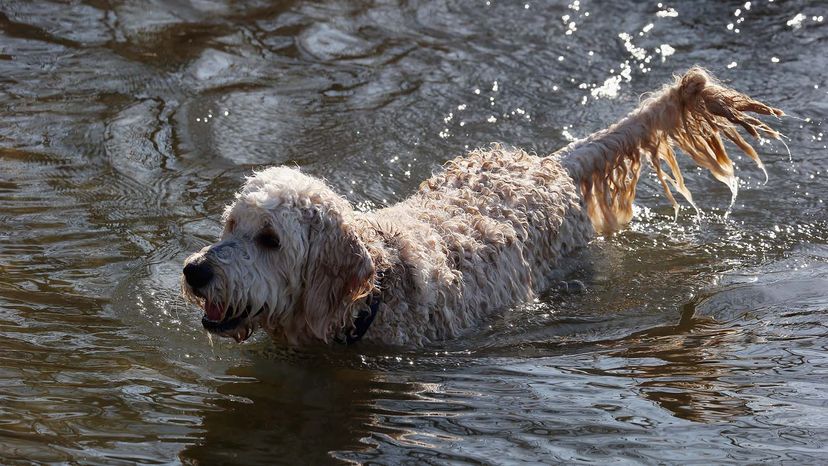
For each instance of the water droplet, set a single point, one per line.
(796, 21)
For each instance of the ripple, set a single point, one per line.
(326, 42)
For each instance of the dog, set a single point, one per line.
(485, 233)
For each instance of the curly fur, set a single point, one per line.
(486, 232)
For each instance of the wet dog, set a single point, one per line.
(485, 233)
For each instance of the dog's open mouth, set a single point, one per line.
(239, 326)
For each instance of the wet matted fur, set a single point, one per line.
(485, 233)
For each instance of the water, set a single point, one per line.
(127, 126)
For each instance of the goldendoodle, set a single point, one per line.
(485, 233)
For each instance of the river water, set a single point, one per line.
(127, 126)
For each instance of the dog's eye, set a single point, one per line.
(268, 239)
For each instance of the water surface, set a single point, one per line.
(127, 126)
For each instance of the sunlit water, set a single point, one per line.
(127, 126)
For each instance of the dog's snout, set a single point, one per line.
(198, 275)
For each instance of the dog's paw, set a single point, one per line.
(571, 286)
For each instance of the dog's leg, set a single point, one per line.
(571, 286)
(691, 114)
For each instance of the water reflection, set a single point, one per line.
(684, 368)
(302, 411)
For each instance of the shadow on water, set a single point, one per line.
(301, 411)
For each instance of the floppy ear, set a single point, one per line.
(337, 273)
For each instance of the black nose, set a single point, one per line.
(198, 275)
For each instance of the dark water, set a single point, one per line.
(127, 126)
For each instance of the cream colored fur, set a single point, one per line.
(485, 233)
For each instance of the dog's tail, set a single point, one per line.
(691, 114)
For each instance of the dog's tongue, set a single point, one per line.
(213, 311)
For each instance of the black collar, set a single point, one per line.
(363, 320)
(365, 317)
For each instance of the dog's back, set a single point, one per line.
(485, 232)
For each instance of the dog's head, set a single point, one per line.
(289, 260)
